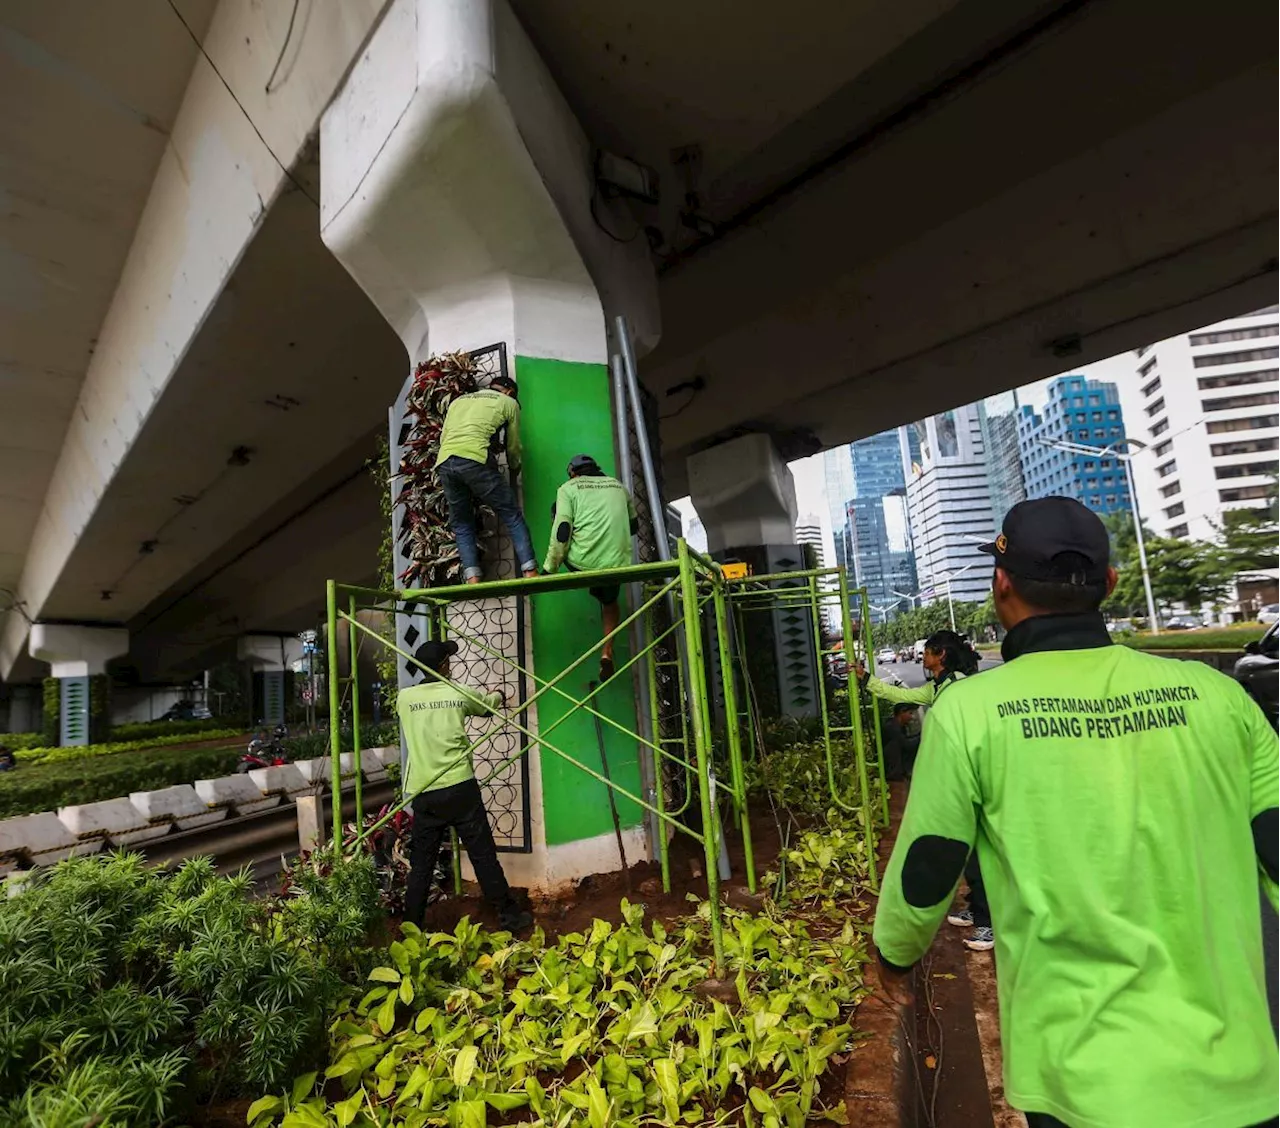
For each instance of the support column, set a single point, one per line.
(746, 497)
(457, 189)
(77, 707)
(271, 659)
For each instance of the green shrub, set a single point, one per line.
(141, 730)
(605, 1027)
(128, 994)
(111, 748)
(60, 783)
(313, 745)
(1211, 638)
(51, 695)
(20, 741)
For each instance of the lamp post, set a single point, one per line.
(947, 577)
(913, 597)
(1124, 457)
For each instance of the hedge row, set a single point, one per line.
(115, 747)
(46, 786)
(140, 730)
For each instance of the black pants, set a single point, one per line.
(459, 806)
(1044, 1120)
(977, 893)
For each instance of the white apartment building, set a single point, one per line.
(809, 531)
(949, 504)
(1206, 403)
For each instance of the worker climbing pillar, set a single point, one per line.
(746, 498)
(457, 189)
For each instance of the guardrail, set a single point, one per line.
(262, 841)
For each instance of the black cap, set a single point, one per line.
(433, 654)
(1055, 539)
(903, 707)
(583, 464)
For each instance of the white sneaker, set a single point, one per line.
(961, 918)
(980, 940)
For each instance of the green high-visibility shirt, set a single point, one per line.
(1123, 807)
(434, 716)
(902, 695)
(594, 521)
(471, 423)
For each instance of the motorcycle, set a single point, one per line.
(265, 751)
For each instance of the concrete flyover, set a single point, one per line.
(868, 212)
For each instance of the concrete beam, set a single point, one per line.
(224, 164)
(77, 651)
(744, 493)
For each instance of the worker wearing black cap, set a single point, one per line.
(591, 529)
(466, 464)
(1124, 807)
(442, 781)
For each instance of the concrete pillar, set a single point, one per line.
(77, 655)
(271, 657)
(744, 493)
(746, 497)
(457, 189)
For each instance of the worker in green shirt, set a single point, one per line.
(1125, 809)
(947, 658)
(467, 466)
(442, 781)
(591, 529)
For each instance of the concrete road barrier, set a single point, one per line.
(113, 820)
(179, 805)
(41, 840)
(237, 792)
(285, 780)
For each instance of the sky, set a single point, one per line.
(810, 478)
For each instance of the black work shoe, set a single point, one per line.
(606, 669)
(516, 921)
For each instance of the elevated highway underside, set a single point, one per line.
(902, 207)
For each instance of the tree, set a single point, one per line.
(1248, 538)
(1188, 572)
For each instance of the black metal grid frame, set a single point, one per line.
(499, 622)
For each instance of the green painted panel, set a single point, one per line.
(565, 410)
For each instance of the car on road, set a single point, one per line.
(886, 656)
(1181, 623)
(1270, 613)
(1259, 672)
(185, 711)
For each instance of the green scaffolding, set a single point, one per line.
(687, 602)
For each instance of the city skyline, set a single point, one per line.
(1005, 423)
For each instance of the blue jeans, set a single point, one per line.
(466, 482)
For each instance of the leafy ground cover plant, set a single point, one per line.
(618, 1026)
(129, 995)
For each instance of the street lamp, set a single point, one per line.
(1125, 457)
(947, 577)
(905, 595)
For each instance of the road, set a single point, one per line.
(912, 675)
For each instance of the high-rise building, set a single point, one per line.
(879, 531)
(1085, 412)
(998, 416)
(809, 532)
(837, 468)
(1206, 405)
(949, 503)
